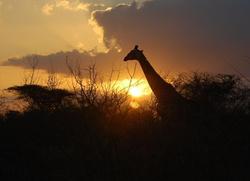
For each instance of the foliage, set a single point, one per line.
(91, 135)
(40, 97)
(220, 92)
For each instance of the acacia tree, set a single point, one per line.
(41, 97)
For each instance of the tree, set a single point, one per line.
(41, 97)
(221, 92)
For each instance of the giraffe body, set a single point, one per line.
(171, 103)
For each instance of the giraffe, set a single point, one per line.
(169, 100)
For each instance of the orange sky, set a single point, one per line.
(176, 36)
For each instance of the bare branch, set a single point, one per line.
(32, 76)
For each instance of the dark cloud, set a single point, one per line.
(57, 62)
(176, 35)
(181, 35)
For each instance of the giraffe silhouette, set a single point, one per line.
(171, 103)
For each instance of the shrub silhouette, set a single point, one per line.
(61, 138)
(41, 97)
(220, 92)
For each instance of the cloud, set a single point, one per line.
(73, 5)
(180, 35)
(56, 62)
(60, 30)
(176, 35)
(48, 9)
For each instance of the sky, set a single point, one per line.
(176, 35)
(49, 26)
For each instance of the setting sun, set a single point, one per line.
(124, 89)
(136, 92)
(136, 88)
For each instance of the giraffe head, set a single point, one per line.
(134, 54)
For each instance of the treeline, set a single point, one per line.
(93, 134)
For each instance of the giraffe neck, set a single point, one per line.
(162, 90)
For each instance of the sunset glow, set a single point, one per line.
(136, 88)
(135, 92)
(124, 89)
(134, 104)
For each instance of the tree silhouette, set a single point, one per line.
(41, 97)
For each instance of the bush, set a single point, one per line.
(63, 136)
(224, 93)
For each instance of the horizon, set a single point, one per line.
(214, 40)
(124, 90)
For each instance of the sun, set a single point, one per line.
(135, 92)
(136, 88)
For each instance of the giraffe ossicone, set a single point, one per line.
(165, 93)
